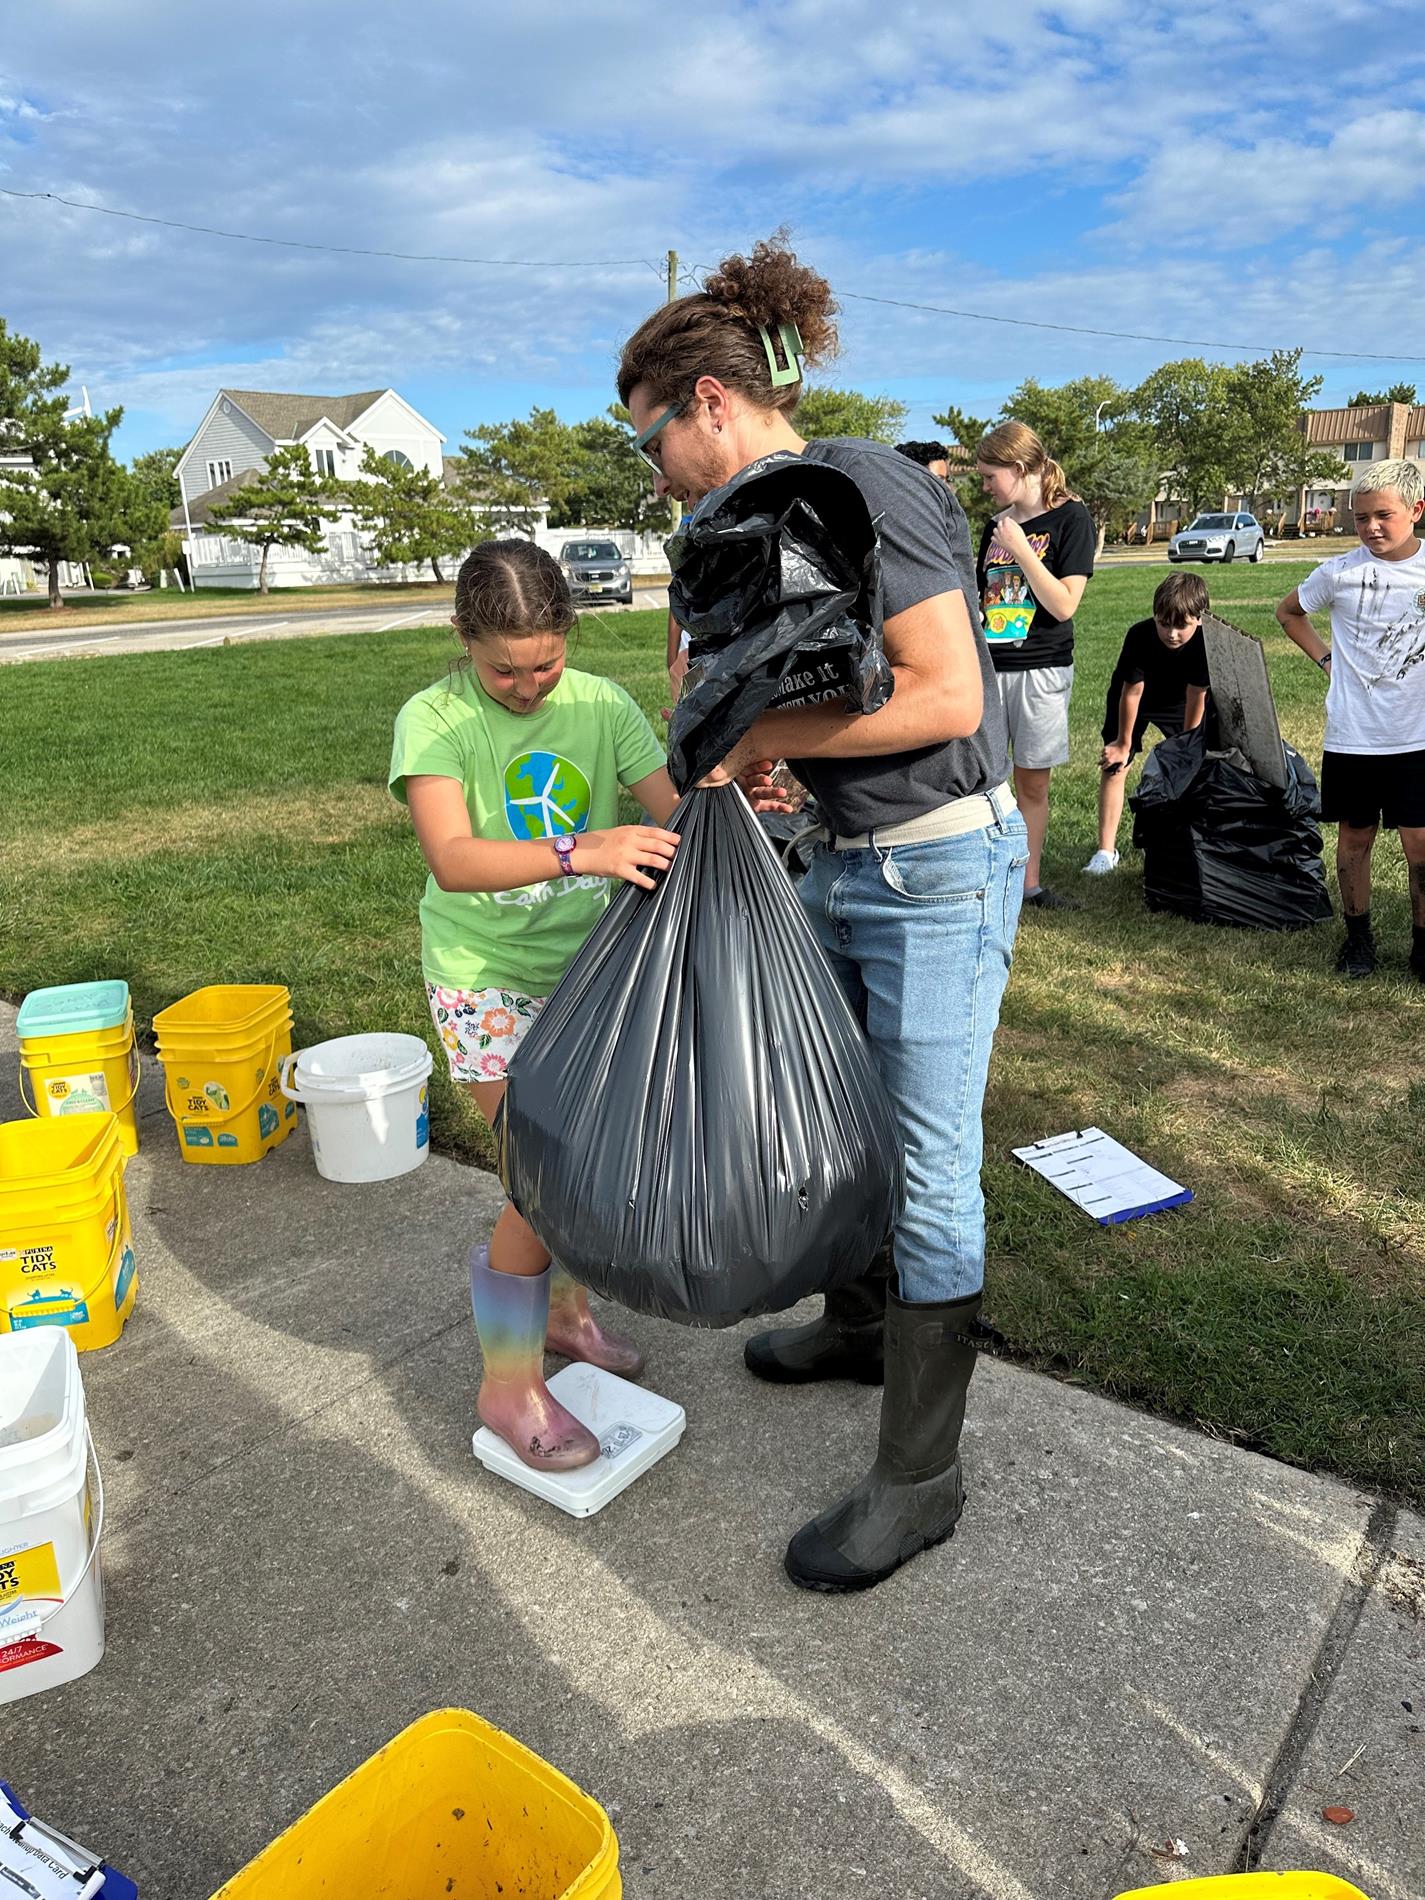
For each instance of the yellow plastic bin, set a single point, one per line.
(451, 1806)
(1258, 1886)
(77, 1053)
(221, 1050)
(66, 1245)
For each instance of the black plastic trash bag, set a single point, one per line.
(1222, 847)
(794, 835)
(777, 578)
(695, 1126)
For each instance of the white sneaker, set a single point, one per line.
(1101, 863)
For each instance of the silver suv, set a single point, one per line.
(597, 570)
(1219, 538)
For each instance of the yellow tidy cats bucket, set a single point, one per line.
(66, 1246)
(77, 1053)
(221, 1050)
(451, 1806)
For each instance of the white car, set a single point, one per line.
(1219, 538)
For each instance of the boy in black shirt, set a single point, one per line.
(1160, 680)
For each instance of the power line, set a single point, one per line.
(344, 250)
(612, 263)
(1124, 336)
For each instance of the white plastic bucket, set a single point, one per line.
(367, 1103)
(51, 1589)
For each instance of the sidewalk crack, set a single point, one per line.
(1361, 1581)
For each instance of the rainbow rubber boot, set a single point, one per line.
(511, 1314)
(576, 1334)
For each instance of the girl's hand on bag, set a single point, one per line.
(1114, 755)
(627, 851)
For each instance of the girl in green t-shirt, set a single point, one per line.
(511, 770)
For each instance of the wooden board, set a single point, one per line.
(1242, 696)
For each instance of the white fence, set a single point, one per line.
(221, 560)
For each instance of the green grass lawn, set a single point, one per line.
(221, 815)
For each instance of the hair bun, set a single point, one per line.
(771, 287)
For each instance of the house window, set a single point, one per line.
(1358, 452)
(325, 460)
(399, 457)
(219, 472)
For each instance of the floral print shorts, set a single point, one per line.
(481, 1029)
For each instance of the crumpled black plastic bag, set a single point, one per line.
(777, 578)
(1222, 847)
(695, 1126)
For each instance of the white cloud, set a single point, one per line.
(1248, 193)
(933, 153)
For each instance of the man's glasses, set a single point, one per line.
(645, 436)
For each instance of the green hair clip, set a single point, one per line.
(793, 350)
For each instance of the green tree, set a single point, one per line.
(152, 477)
(1188, 407)
(611, 487)
(513, 471)
(1269, 455)
(1088, 427)
(154, 472)
(1106, 453)
(282, 505)
(846, 412)
(409, 514)
(1398, 392)
(967, 432)
(63, 497)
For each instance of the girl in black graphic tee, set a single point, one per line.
(1035, 560)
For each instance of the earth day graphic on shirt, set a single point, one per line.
(1007, 605)
(546, 796)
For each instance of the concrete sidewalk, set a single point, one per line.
(1138, 1636)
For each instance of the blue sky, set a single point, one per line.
(1248, 174)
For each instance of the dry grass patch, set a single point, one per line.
(331, 815)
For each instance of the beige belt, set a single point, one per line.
(946, 821)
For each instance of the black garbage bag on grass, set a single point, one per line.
(695, 1126)
(777, 578)
(1221, 846)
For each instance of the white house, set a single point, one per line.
(239, 432)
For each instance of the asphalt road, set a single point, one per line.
(160, 636)
(167, 636)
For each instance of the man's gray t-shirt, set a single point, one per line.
(925, 551)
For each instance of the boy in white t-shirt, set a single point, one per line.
(1373, 760)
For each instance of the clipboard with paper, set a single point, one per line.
(1107, 1181)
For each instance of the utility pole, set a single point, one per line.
(675, 508)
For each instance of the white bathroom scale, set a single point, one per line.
(634, 1427)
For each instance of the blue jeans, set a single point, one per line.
(920, 937)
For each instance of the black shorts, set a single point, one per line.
(1169, 723)
(1373, 788)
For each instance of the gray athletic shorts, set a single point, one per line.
(1036, 704)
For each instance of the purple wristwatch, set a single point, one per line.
(564, 851)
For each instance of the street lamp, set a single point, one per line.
(1099, 411)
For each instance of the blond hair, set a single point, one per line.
(1015, 445)
(1404, 475)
